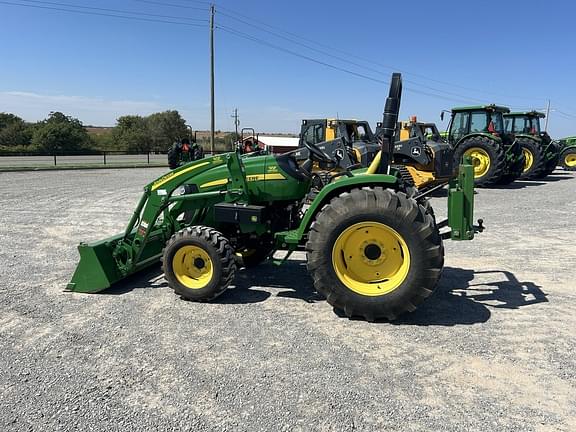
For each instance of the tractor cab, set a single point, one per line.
(540, 153)
(420, 150)
(352, 142)
(525, 123)
(488, 119)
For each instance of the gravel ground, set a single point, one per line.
(494, 349)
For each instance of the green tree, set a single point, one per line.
(165, 128)
(131, 133)
(14, 131)
(60, 133)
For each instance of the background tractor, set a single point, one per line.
(419, 154)
(373, 247)
(478, 132)
(185, 150)
(567, 152)
(540, 152)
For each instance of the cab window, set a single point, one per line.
(496, 122)
(521, 125)
(478, 122)
(459, 126)
(314, 134)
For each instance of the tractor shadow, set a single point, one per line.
(558, 176)
(518, 184)
(291, 279)
(463, 296)
(466, 297)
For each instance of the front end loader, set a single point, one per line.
(373, 246)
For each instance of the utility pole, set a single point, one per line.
(547, 116)
(236, 121)
(212, 111)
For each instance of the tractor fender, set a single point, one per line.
(536, 139)
(479, 134)
(334, 189)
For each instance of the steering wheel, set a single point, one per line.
(320, 154)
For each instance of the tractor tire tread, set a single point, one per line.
(497, 158)
(224, 256)
(420, 231)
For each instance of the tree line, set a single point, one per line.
(65, 134)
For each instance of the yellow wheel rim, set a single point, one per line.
(528, 159)
(192, 267)
(480, 161)
(371, 258)
(570, 160)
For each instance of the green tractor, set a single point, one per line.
(185, 150)
(540, 152)
(567, 152)
(478, 132)
(374, 248)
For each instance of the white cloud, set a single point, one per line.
(98, 111)
(95, 111)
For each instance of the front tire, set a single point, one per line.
(488, 159)
(374, 253)
(568, 159)
(174, 156)
(198, 263)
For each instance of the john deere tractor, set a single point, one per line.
(184, 150)
(478, 132)
(540, 152)
(420, 155)
(567, 153)
(374, 249)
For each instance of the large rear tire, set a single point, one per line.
(174, 156)
(198, 263)
(568, 159)
(374, 253)
(551, 164)
(488, 159)
(515, 170)
(533, 158)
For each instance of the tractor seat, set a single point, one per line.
(287, 163)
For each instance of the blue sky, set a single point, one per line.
(452, 53)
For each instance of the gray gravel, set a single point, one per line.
(494, 349)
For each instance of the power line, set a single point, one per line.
(329, 65)
(348, 54)
(348, 61)
(115, 10)
(134, 18)
(159, 3)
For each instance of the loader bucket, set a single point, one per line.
(97, 269)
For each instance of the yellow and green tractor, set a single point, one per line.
(373, 246)
(567, 151)
(478, 132)
(541, 154)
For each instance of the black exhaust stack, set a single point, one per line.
(390, 122)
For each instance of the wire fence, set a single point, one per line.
(85, 157)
